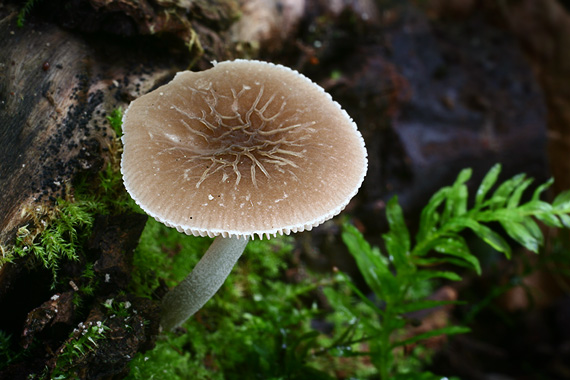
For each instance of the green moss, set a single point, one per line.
(81, 342)
(54, 235)
(8, 354)
(57, 232)
(163, 253)
(87, 285)
(115, 119)
(256, 326)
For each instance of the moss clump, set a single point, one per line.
(163, 254)
(81, 342)
(257, 326)
(54, 235)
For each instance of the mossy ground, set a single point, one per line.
(258, 325)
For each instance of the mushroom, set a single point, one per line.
(245, 148)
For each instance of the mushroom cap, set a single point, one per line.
(242, 149)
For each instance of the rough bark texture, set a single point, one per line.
(55, 96)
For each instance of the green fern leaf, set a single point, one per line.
(488, 182)
(562, 201)
(449, 330)
(540, 189)
(502, 194)
(398, 239)
(515, 198)
(456, 203)
(371, 264)
(430, 218)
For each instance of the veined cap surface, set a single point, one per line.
(245, 148)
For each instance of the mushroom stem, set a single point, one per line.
(203, 282)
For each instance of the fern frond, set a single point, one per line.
(408, 265)
(25, 11)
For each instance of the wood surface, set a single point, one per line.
(56, 90)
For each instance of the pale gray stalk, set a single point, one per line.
(203, 282)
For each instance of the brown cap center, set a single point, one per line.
(240, 137)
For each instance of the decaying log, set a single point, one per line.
(54, 98)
